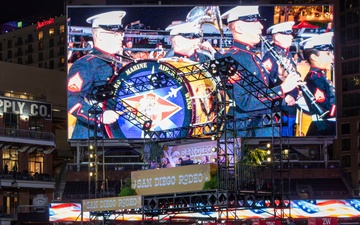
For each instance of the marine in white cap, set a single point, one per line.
(248, 17)
(187, 40)
(318, 52)
(244, 22)
(108, 31)
(95, 69)
(282, 36)
(322, 42)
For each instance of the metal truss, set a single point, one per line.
(95, 148)
(234, 190)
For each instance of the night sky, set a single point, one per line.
(30, 10)
(153, 16)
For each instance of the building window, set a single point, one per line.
(30, 38)
(345, 128)
(51, 53)
(9, 54)
(350, 84)
(62, 61)
(61, 51)
(351, 112)
(51, 64)
(29, 59)
(29, 49)
(41, 56)
(351, 100)
(348, 52)
(36, 123)
(41, 45)
(62, 29)
(350, 67)
(346, 161)
(62, 40)
(51, 43)
(11, 120)
(9, 44)
(36, 161)
(51, 32)
(40, 35)
(0, 46)
(20, 61)
(19, 41)
(10, 159)
(352, 33)
(345, 144)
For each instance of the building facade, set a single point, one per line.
(39, 51)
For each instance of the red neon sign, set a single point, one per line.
(44, 23)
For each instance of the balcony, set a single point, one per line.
(26, 180)
(27, 137)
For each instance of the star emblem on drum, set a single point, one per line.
(157, 108)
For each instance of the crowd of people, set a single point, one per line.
(245, 24)
(180, 162)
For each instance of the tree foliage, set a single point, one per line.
(253, 156)
(212, 183)
(126, 189)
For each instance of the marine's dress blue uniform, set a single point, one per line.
(289, 112)
(248, 105)
(324, 91)
(85, 74)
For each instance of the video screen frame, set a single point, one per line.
(187, 109)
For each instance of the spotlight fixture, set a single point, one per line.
(147, 125)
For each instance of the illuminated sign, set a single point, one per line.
(45, 23)
(25, 108)
(323, 221)
(162, 92)
(327, 213)
(118, 203)
(59, 212)
(170, 180)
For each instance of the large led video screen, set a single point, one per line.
(300, 209)
(134, 69)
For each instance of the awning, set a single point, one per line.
(304, 24)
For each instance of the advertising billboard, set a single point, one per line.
(324, 211)
(178, 179)
(62, 212)
(133, 69)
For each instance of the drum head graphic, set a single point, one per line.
(147, 90)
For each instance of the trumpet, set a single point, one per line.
(289, 69)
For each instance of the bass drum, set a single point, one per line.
(163, 92)
(202, 92)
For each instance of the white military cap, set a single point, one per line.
(322, 42)
(245, 13)
(185, 28)
(108, 21)
(282, 28)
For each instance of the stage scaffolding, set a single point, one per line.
(239, 186)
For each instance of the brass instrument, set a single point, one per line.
(207, 14)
